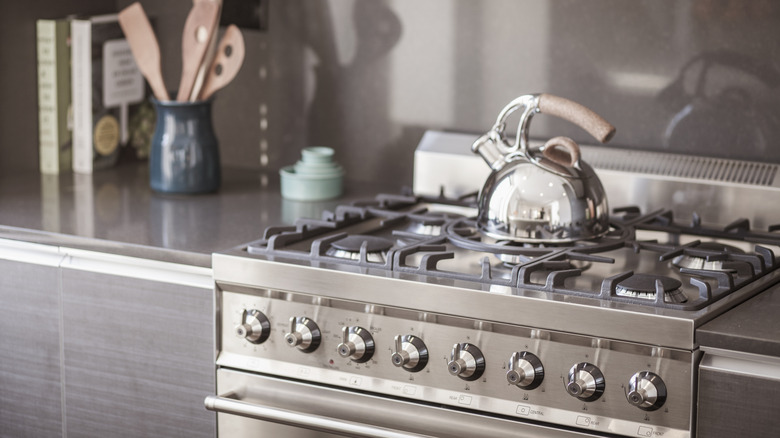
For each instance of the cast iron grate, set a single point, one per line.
(424, 254)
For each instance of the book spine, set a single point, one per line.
(81, 77)
(64, 102)
(48, 140)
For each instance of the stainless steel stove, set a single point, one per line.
(395, 316)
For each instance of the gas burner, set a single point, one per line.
(426, 227)
(643, 286)
(349, 248)
(511, 257)
(692, 261)
(464, 233)
(511, 260)
(430, 223)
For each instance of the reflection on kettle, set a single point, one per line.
(713, 103)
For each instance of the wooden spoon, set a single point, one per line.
(144, 46)
(227, 63)
(198, 30)
(210, 53)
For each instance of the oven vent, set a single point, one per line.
(682, 166)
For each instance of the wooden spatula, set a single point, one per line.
(227, 63)
(198, 30)
(144, 46)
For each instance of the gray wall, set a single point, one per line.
(368, 77)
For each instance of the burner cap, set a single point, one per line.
(440, 216)
(694, 262)
(349, 248)
(430, 223)
(643, 286)
(425, 228)
(354, 242)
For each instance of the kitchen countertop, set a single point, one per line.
(751, 327)
(114, 211)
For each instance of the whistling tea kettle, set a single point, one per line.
(546, 194)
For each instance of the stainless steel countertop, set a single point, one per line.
(114, 211)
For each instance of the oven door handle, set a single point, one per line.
(230, 404)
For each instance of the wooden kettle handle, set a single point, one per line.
(577, 114)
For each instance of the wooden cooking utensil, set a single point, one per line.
(209, 58)
(144, 46)
(227, 63)
(198, 30)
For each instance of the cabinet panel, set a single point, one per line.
(30, 396)
(738, 397)
(139, 356)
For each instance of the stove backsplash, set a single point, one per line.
(713, 190)
(368, 78)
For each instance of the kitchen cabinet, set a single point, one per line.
(739, 375)
(753, 380)
(139, 351)
(30, 394)
(95, 345)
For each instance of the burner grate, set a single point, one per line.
(430, 243)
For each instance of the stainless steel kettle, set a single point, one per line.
(544, 195)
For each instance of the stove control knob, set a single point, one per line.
(466, 362)
(356, 344)
(646, 391)
(410, 353)
(254, 326)
(585, 382)
(525, 370)
(304, 334)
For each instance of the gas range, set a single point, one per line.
(402, 298)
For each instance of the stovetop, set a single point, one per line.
(647, 259)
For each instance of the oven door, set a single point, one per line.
(304, 410)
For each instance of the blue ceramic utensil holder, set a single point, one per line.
(184, 156)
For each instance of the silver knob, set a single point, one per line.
(466, 362)
(410, 353)
(304, 334)
(585, 382)
(646, 391)
(254, 326)
(525, 370)
(356, 344)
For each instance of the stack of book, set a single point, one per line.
(90, 95)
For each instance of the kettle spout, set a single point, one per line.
(487, 147)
